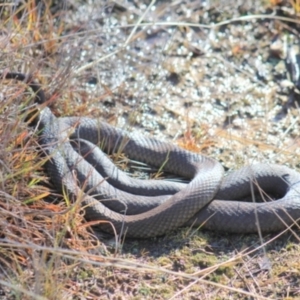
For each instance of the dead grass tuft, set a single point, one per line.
(27, 220)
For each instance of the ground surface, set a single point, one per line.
(212, 77)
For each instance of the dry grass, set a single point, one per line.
(47, 249)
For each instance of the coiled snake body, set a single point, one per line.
(139, 208)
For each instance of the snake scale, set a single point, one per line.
(143, 208)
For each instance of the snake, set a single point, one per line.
(258, 197)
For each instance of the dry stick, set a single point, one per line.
(213, 26)
(138, 23)
(257, 219)
(91, 64)
(168, 24)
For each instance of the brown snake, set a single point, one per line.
(144, 208)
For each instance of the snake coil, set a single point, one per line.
(144, 208)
